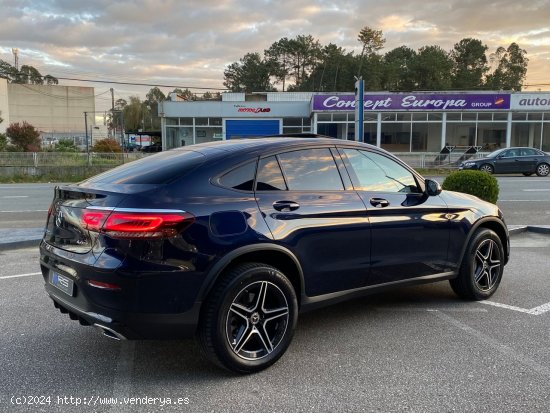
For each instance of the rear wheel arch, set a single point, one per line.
(271, 254)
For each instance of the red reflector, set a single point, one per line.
(104, 286)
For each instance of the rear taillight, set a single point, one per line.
(129, 223)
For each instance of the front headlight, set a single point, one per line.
(469, 163)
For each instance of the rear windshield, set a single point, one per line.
(156, 169)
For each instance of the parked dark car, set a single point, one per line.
(527, 161)
(155, 147)
(229, 241)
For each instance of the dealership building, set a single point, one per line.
(398, 122)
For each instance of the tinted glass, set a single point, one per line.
(310, 170)
(528, 152)
(156, 169)
(270, 177)
(241, 178)
(376, 173)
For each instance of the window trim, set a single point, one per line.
(302, 148)
(216, 179)
(418, 178)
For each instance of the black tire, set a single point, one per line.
(543, 169)
(527, 173)
(481, 268)
(487, 168)
(243, 325)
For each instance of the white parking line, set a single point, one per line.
(34, 210)
(500, 347)
(15, 196)
(535, 190)
(541, 309)
(5, 277)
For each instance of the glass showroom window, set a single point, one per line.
(178, 136)
(396, 136)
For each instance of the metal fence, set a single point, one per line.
(37, 159)
(435, 159)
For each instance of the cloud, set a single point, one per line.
(189, 42)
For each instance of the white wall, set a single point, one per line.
(4, 108)
(51, 108)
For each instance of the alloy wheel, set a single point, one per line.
(487, 265)
(543, 170)
(486, 168)
(257, 320)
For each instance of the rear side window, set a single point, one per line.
(155, 169)
(270, 177)
(241, 178)
(310, 170)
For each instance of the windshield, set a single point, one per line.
(495, 153)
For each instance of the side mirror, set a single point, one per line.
(433, 188)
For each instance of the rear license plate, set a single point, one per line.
(62, 283)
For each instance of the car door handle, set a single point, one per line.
(285, 206)
(379, 202)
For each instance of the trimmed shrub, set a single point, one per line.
(477, 183)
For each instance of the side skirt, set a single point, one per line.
(312, 303)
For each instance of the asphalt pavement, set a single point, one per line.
(417, 349)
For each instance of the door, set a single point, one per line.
(308, 209)
(528, 159)
(410, 230)
(508, 162)
(245, 128)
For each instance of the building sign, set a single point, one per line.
(244, 109)
(414, 102)
(530, 101)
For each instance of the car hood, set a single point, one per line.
(479, 160)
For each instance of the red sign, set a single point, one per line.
(254, 110)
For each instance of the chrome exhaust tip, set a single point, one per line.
(110, 333)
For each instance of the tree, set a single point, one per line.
(27, 75)
(152, 99)
(511, 68)
(432, 69)
(3, 142)
(134, 114)
(470, 64)
(250, 74)
(24, 137)
(334, 71)
(66, 145)
(107, 145)
(371, 39)
(305, 54)
(278, 58)
(397, 73)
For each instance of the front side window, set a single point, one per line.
(310, 170)
(377, 173)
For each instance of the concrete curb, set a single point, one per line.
(6, 246)
(514, 230)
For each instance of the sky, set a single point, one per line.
(189, 43)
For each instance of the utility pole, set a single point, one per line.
(359, 108)
(86, 129)
(113, 111)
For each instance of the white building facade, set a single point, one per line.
(398, 122)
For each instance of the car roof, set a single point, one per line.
(266, 144)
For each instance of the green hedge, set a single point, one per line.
(477, 183)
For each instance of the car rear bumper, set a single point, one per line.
(130, 326)
(147, 306)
